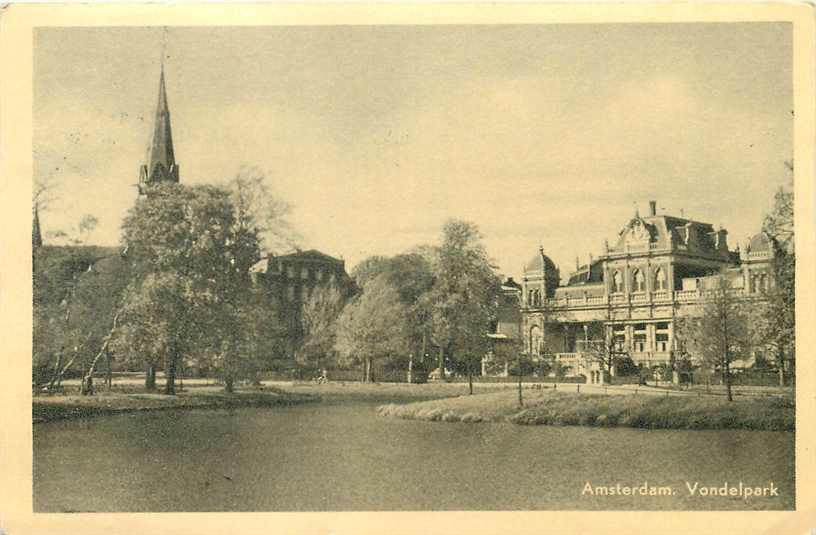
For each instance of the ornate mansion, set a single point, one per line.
(629, 298)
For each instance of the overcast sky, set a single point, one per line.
(539, 134)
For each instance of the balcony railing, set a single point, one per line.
(659, 296)
(686, 295)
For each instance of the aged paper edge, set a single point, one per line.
(16, 24)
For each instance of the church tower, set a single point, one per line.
(161, 163)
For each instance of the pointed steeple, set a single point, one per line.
(36, 236)
(161, 165)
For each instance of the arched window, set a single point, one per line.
(638, 281)
(617, 282)
(538, 298)
(535, 340)
(660, 279)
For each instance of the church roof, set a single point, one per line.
(161, 160)
(161, 147)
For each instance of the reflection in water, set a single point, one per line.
(344, 457)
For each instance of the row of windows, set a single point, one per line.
(638, 281)
(639, 337)
(292, 273)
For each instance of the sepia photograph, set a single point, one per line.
(413, 267)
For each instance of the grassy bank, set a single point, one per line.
(649, 412)
(385, 392)
(50, 408)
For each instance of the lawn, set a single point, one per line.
(132, 398)
(546, 407)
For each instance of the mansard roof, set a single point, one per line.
(670, 232)
(587, 274)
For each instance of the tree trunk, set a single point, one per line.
(520, 397)
(229, 384)
(57, 369)
(150, 377)
(441, 364)
(229, 378)
(727, 379)
(109, 374)
(424, 346)
(87, 382)
(780, 364)
(470, 377)
(170, 372)
(368, 370)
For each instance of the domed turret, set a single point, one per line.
(540, 279)
(539, 262)
(759, 243)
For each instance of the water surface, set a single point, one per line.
(341, 456)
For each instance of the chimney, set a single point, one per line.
(652, 207)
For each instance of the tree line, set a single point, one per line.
(179, 293)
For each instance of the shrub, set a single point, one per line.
(450, 417)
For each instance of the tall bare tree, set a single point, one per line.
(721, 333)
(778, 315)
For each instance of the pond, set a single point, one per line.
(342, 457)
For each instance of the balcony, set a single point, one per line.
(686, 295)
(640, 297)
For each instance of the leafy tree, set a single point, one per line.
(411, 275)
(193, 253)
(372, 326)
(317, 325)
(464, 296)
(155, 325)
(73, 288)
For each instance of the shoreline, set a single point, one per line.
(55, 408)
(595, 410)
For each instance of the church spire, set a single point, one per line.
(161, 165)
(36, 236)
